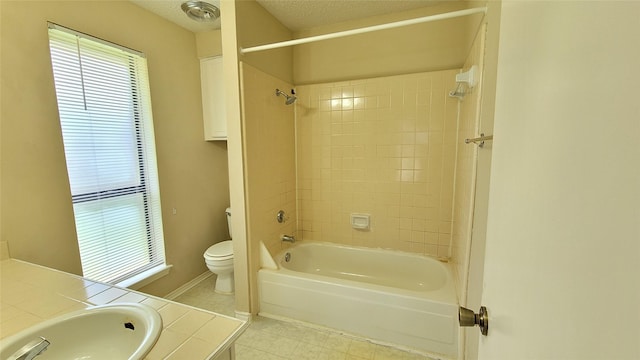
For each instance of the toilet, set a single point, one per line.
(219, 259)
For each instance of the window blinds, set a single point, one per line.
(105, 115)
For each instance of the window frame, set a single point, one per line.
(147, 179)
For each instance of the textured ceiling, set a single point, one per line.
(294, 14)
(170, 10)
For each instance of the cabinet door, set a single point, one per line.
(213, 111)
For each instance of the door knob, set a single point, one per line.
(467, 317)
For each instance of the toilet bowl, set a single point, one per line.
(219, 259)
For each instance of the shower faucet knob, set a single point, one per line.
(280, 216)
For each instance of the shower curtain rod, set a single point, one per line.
(363, 30)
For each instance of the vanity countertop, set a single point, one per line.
(31, 293)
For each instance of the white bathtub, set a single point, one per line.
(387, 296)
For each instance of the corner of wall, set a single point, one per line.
(4, 250)
(232, 75)
(209, 43)
(256, 26)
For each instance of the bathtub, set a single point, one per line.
(387, 296)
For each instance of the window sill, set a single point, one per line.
(146, 277)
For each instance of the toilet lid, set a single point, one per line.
(221, 249)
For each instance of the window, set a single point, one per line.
(107, 127)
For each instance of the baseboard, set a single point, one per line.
(186, 287)
(244, 316)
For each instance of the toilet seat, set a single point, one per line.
(220, 251)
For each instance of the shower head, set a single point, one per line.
(201, 11)
(290, 98)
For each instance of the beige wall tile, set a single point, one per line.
(190, 322)
(167, 343)
(90, 289)
(215, 328)
(170, 313)
(46, 307)
(193, 349)
(18, 323)
(388, 160)
(154, 303)
(8, 312)
(107, 296)
(130, 297)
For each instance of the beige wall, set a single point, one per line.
(4, 250)
(255, 26)
(209, 43)
(269, 135)
(270, 157)
(417, 48)
(37, 217)
(382, 146)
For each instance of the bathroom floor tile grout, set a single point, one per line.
(270, 339)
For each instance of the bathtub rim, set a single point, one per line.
(447, 294)
(281, 253)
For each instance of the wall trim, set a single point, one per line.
(188, 286)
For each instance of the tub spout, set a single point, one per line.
(288, 238)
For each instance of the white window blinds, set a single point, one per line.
(107, 127)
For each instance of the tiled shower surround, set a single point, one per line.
(385, 147)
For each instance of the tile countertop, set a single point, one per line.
(31, 293)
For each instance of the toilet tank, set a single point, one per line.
(228, 212)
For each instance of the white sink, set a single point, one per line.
(118, 331)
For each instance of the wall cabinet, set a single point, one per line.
(213, 110)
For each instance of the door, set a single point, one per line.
(562, 259)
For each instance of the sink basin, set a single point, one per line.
(118, 331)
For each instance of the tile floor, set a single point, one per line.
(268, 339)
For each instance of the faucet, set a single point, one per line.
(31, 349)
(288, 238)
